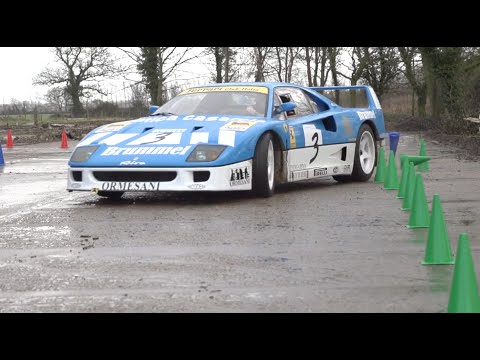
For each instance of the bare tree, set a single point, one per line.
(448, 71)
(359, 57)
(157, 65)
(381, 68)
(285, 61)
(334, 53)
(138, 99)
(226, 67)
(414, 77)
(81, 70)
(57, 98)
(443, 69)
(260, 56)
(316, 59)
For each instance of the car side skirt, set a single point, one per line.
(320, 161)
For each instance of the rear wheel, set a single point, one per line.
(263, 181)
(365, 156)
(114, 195)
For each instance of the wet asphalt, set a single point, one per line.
(316, 246)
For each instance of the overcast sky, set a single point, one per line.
(19, 65)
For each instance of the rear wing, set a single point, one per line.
(342, 94)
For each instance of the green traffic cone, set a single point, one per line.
(410, 188)
(415, 159)
(419, 211)
(438, 250)
(403, 179)
(391, 180)
(464, 290)
(423, 152)
(381, 165)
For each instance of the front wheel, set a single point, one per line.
(365, 156)
(263, 182)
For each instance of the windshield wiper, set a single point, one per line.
(164, 113)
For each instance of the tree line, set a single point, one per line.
(444, 80)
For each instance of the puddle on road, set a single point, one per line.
(32, 166)
(38, 236)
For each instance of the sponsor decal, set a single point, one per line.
(238, 125)
(132, 162)
(364, 115)
(346, 167)
(130, 186)
(300, 174)
(285, 127)
(197, 186)
(294, 167)
(293, 140)
(114, 126)
(320, 171)
(159, 118)
(146, 150)
(239, 176)
(335, 170)
(259, 89)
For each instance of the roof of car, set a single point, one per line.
(264, 84)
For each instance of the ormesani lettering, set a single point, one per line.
(146, 150)
(130, 186)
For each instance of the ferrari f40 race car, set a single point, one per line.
(234, 136)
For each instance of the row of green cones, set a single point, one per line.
(464, 297)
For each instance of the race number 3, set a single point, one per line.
(313, 137)
(315, 146)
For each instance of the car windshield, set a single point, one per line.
(224, 100)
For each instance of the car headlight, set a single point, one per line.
(83, 153)
(206, 153)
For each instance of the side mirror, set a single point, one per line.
(152, 109)
(288, 106)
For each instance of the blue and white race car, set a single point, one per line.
(233, 136)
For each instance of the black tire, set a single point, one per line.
(262, 185)
(113, 195)
(358, 173)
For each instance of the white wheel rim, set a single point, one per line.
(270, 165)
(367, 152)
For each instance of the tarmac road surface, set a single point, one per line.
(316, 246)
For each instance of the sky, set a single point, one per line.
(19, 65)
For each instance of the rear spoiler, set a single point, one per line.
(373, 101)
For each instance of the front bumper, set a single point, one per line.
(231, 177)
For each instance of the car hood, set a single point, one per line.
(168, 140)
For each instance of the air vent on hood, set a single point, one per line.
(195, 128)
(147, 129)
